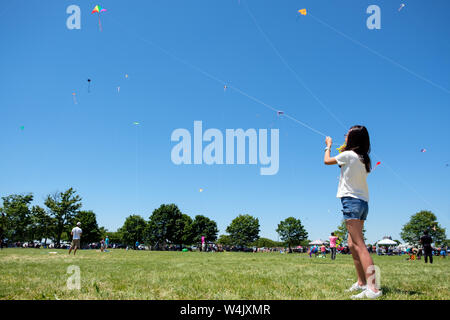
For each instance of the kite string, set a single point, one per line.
(208, 75)
(300, 80)
(405, 182)
(286, 64)
(249, 96)
(379, 54)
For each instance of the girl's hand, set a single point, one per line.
(328, 141)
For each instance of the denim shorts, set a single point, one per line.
(354, 209)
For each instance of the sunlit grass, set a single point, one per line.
(120, 274)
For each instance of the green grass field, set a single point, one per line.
(120, 274)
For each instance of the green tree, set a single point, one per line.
(63, 206)
(266, 243)
(103, 232)
(243, 230)
(418, 223)
(224, 240)
(164, 226)
(17, 217)
(183, 230)
(133, 230)
(291, 231)
(203, 226)
(42, 224)
(114, 237)
(89, 225)
(342, 232)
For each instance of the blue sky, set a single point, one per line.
(121, 169)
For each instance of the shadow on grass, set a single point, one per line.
(387, 290)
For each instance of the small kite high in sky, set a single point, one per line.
(279, 113)
(423, 150)
(22, 127)
(224, 88)
(136, 123)
(89, 85)
(302, 12)
(200, 190)
(378, 163)
(98, 9)
(401, 6)
(126, 76)
(74, 97)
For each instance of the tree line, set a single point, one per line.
(167, 225)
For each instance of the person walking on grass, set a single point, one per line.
(76, 238)
(353, 191)
(333, 239)
(106, 242)
(426, 241)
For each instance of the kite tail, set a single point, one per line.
(99, 22)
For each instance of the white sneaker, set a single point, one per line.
(368, 294)
(356, 287)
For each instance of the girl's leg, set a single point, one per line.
(354, 228)
(359, 268)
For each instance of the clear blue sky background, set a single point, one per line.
(121, 169)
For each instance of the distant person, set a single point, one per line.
(76, 238)
(355, 164)
(102, 245)
(443, 252)
(333, 239)
(106, 242)
(137, 245)
(323, 251)
(426, 241)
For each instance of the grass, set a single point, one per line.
(119, 274)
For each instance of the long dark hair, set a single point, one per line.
(358, 141)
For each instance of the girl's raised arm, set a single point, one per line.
(327, 159)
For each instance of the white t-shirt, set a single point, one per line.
(353, 180)
(76, 233)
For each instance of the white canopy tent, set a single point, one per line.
(316, 242)
(386, 242)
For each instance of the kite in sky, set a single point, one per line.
(89, 85)
(279, 113)
(378, 163)
(302, 12)
(74, 97)
(423, 150)
(136, 123)
(22, 127)
(401, 6)
(341, 148)
(200, 190)
(126, 76)
(224, 88)
(98, 9)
